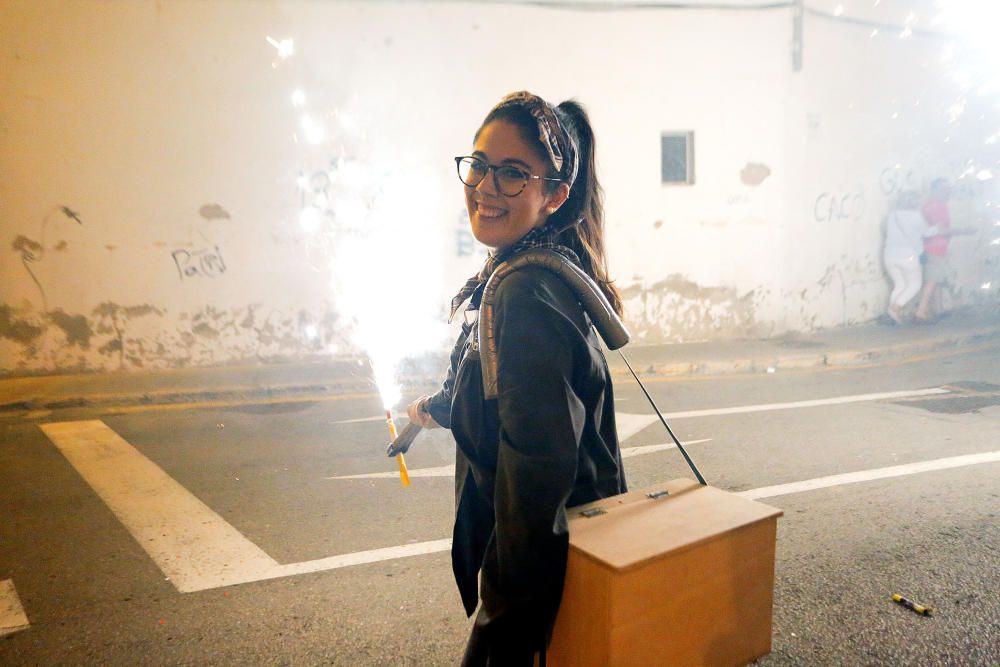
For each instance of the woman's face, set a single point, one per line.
(497, 220)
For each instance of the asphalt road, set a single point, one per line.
(93, 595)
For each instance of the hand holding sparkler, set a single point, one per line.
(419, 414)
(401, 443)
(420, 419)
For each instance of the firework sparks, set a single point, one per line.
(365, 210)
(285, 47)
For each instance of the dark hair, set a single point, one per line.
(581, 217)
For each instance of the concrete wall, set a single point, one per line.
(875, 112)
(166, 198)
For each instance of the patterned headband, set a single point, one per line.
(557, 141)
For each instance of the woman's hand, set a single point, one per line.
(417, 412)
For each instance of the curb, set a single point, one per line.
(194, 395)
(800, 361)
(422, 378)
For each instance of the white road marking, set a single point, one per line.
(193, 546)
(362, 557)
(836, 400)
(440, 471)
(755, 494)
(449, 470)
(12, 616)
(628, 452)
(869, 475)
(199, 550)
(630, 424)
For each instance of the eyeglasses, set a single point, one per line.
(509, 181)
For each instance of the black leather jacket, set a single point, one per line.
(546, 443)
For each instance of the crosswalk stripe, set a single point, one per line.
(193, 546)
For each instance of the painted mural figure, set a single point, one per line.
(937, 269)
(905, 231)
(548, 440)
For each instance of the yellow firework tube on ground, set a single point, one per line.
(911, 605)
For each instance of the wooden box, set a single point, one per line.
(682, 578)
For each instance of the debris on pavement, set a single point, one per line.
(911, 605)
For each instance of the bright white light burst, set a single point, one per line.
(386, 273)
(974, 22)
(314, 132)
(956, 110)
(285, 47)
(310, 219)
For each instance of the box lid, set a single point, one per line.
(627, 530)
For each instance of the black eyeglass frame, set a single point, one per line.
(496, 179)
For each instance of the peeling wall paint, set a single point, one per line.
(113, 337)
(75, 328)
(213, 212)
(754, 173)
(678, 310)
(17, 329)
(112, 261)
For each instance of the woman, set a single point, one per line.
(904, 242)
(548, 441)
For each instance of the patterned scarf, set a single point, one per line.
(539, 237)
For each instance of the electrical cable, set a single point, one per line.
(876, 25)
(611, 5)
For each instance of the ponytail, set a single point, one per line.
(581, 218)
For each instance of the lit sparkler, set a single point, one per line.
(404, 475)
(372, 215)
(314, 132)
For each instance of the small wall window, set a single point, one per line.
(677, 157)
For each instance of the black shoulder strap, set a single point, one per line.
(594, 303)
